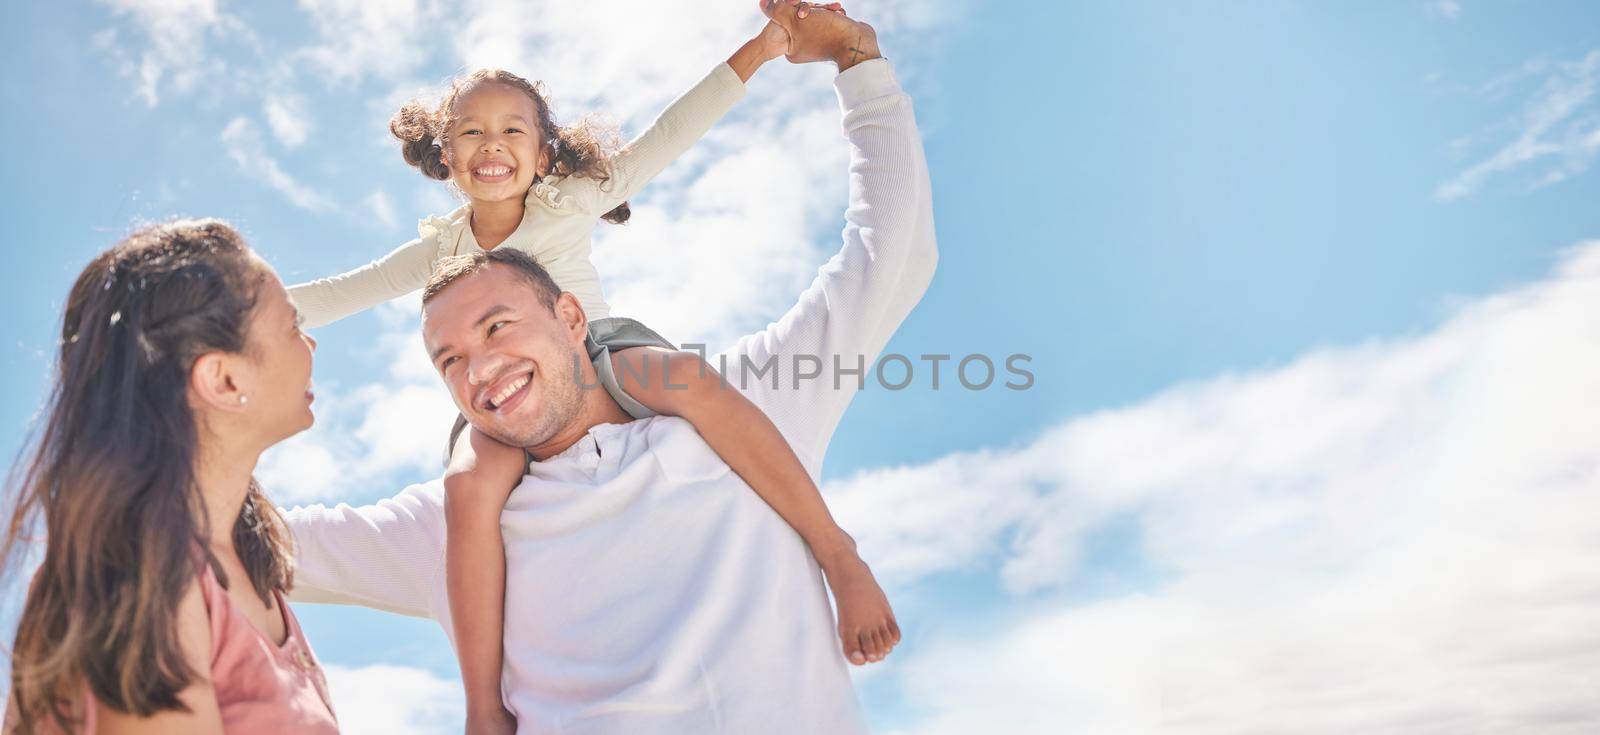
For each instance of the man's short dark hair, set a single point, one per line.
(453, 268)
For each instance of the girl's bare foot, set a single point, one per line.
(822, 33)
(867, 628)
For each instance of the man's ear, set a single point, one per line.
(569, 311)
(215, 383)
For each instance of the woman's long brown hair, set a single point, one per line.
(112, 476)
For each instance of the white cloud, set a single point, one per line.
(381, 209)
(245, 146)
(175, 53)
(708, 258)
(394, 700)
(286, 115)
(1396, 537)
(361, 38)
(542, 41)
(1447, 9)
(1555, 136)
(650, 51)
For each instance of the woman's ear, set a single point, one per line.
(215, 382)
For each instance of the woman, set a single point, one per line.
(159, 603)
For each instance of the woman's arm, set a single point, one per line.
(204, 717)
(403, 270)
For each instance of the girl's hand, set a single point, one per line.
(772, 41)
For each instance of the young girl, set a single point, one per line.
(539, 187)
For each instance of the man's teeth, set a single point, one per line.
(494, 171)
(506, 392)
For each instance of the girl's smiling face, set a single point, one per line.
(494, 147)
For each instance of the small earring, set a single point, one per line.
(243, 400)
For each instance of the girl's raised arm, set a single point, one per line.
(678, 127)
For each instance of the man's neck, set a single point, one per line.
(598, 407)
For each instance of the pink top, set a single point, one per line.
(261, 687)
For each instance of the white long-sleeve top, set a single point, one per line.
(650, 590)
(558, 222)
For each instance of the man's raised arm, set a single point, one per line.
(386, 556)
(860, 297)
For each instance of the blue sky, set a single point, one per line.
(1303, 287)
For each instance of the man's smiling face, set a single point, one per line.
(509, 360)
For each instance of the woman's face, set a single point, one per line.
(495, 149)
(280, 355)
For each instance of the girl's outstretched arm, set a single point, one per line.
(680, 125)
(403, 270)
(481, 476)
(681, 384)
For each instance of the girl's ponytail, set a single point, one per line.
(585, 149)
(418, 130)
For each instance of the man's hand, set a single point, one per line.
(828, 35)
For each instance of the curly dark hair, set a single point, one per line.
(583, 149)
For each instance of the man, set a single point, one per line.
(648, 589)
